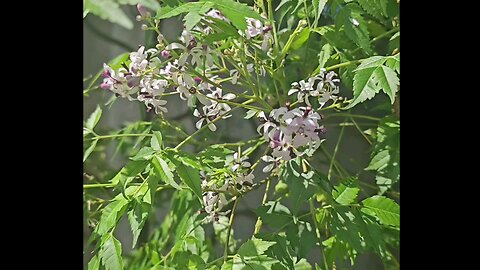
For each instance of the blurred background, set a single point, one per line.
(103, 41)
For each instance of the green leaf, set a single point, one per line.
(300, 39)
(321, 5)
(386, 153)
(393, 62)
(191, 19)
(355, 27)
(324, 55)
(345, 194)
(89, 150)
(379, 161)
(156, 141)
(274, 214)
(94, 263)
(111, 254)
(386, 209)
(302, 238)
(363, 86)
(223, 30)
(107, 10)
(387, 81)
(94, 118)
(215, 156)
(130, 171)
(198, 7)
(371, 77)
(110, 215)
(152, 4)
(254, 247)
(303, 264)
(236, 12)
(300, 184)
(261, 262)
(137, 217)
(220, 231)
(376, 8)
(163, 172)
(145, 153)
(394, 42)
(281, 251)
(191, 177)
(373, 61)
(334, 249)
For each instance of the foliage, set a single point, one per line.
(291, 68)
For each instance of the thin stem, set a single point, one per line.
(389, 32)
(229, 230)
(317, 231)
(335, 153)
(354, 116)
(206, 126)
(119, 135)
(274, 29)
(360, 131)
(87, 186)
(343, 173)
(258, 225)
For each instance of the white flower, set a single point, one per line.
(240, 162)
(119, 83)
(150, 93)
(199, 53)
(235, 73)
(305, 89)
(208, 115)
(274, 162)
(245, 179)
(256, 28)
(282, 153)
(217, 15)
(220, 106)
(214, 201)
(268, 124)
(327, 88)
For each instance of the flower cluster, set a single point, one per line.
(256, 28)
(213, 201)
(321, 86)
(290, 133)
(136, 78)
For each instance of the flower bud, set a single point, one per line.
(144, 27)
(142, 10)
(165, 54)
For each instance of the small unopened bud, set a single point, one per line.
(307, 111)
(267, 29)
(144, 27)
(138, 18)
(192, 44)
(105, 74)
(142, 10)
(197, 79)
(104, 86)
(288, 104)
(160, 38)
(165, 54)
